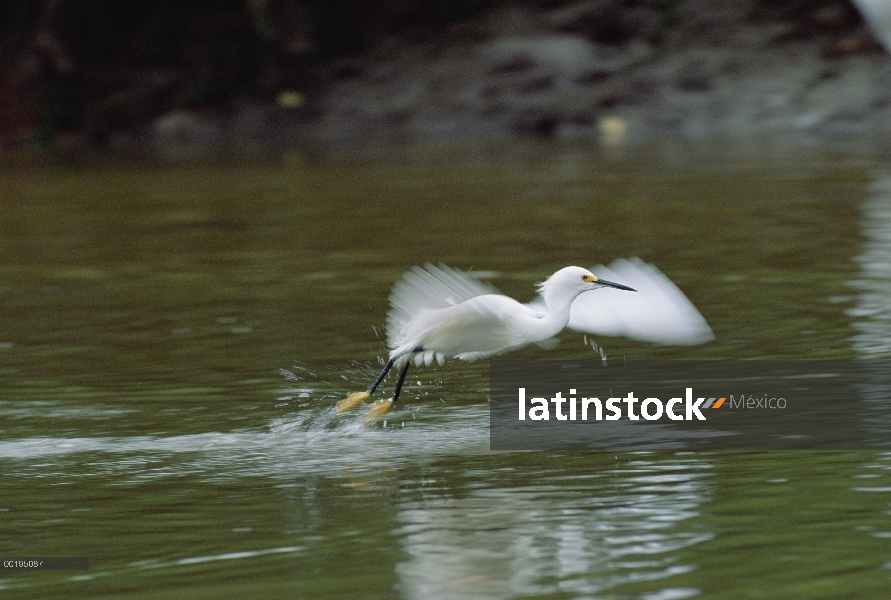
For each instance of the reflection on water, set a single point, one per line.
(873, 304)
(581, 524)
(567, 533)
(174, 340)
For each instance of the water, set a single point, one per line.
(174, 338)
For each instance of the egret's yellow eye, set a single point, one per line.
(588, 278)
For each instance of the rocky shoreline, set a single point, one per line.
(615, 72)
(715, 75)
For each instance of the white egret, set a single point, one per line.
(439, 313)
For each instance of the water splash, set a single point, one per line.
(597, 348)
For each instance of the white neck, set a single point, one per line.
(558, 303)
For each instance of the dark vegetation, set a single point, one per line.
(100, 66)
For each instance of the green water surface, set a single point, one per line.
(173, 339)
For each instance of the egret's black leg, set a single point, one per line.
(379, 408)
(380, 377)
(400, 380)
(354, 399)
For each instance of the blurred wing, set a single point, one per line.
(429, 288)
(658, 312)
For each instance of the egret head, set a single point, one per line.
(569, 282)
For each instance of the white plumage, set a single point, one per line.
(437, 312)
(659, 312)
(450, 314)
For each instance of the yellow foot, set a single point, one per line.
(378, 410)
(351, 401)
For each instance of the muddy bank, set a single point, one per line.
(709, 70)
(614, 71)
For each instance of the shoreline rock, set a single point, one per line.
(531, 77)
(601, 70)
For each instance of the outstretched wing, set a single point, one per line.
(429, 288)
(658, 312)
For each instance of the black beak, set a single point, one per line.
(618, 286)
